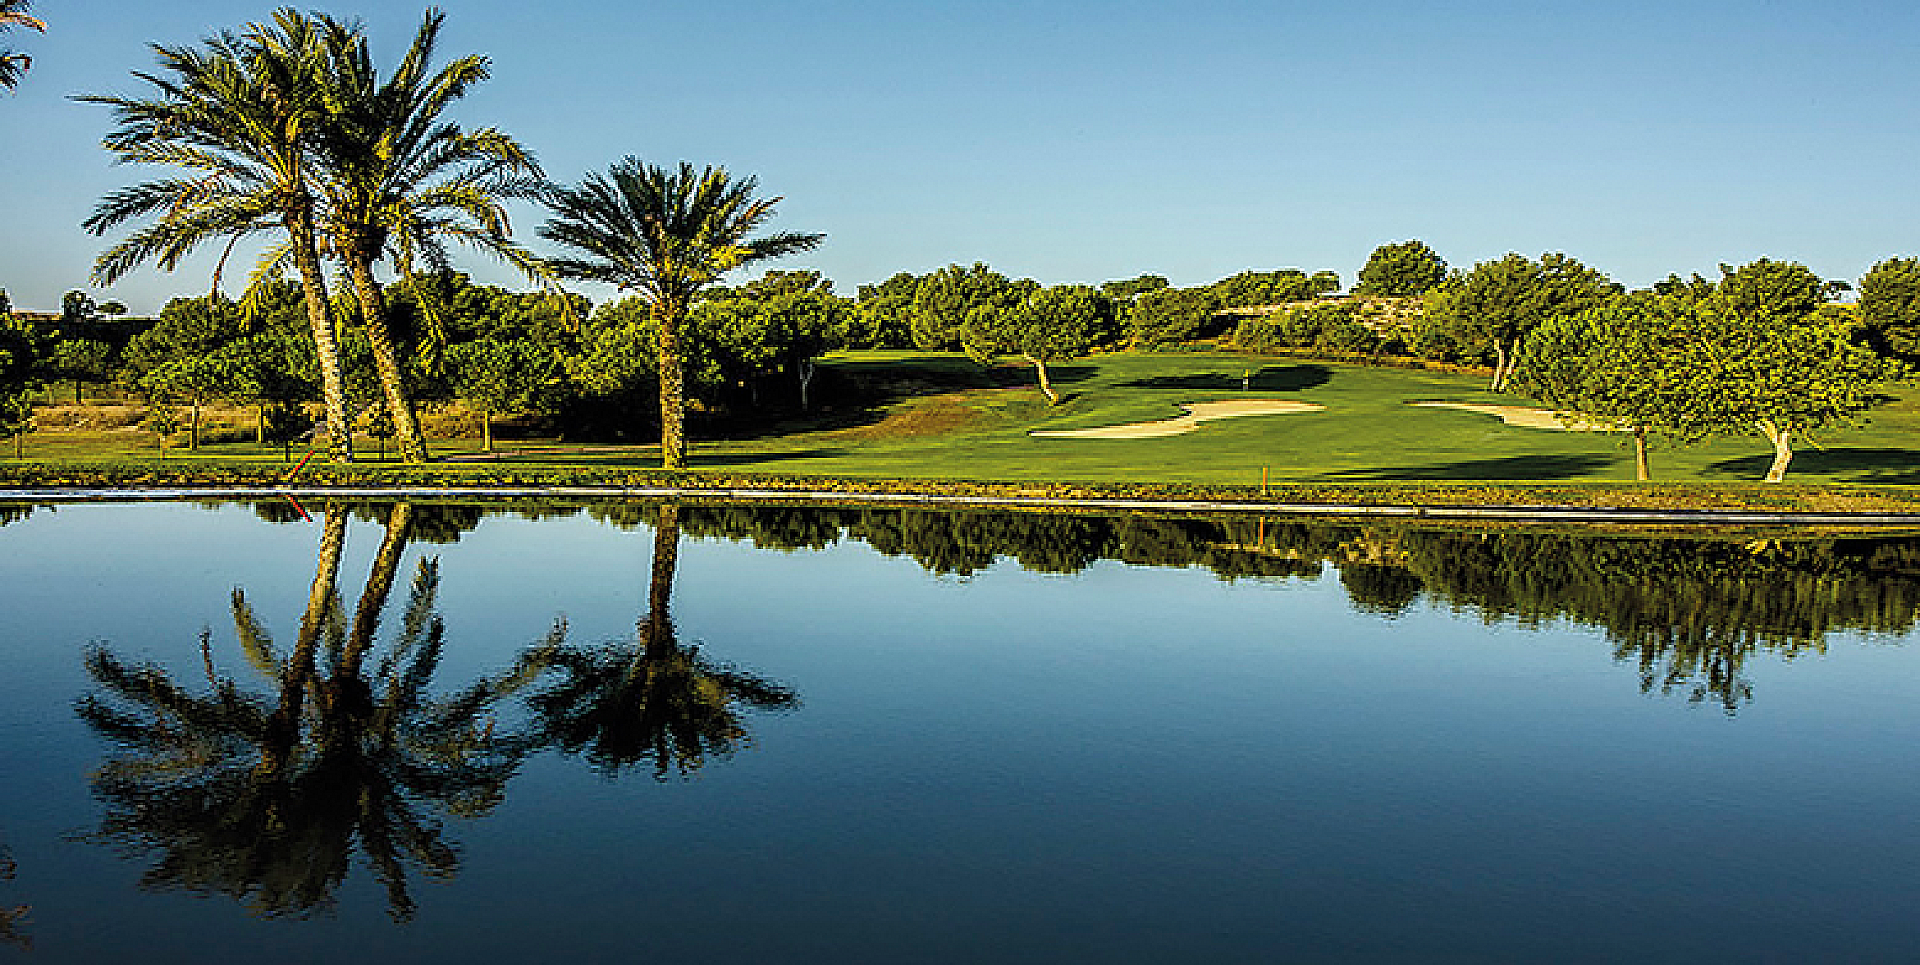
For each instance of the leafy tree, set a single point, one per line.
(1890, 307)
(82, 360)
(400, 180)
(1492, 308)
(1170, 315)
(947, 299)
(777, 326)
(1131, 288)
(667, 236)
(21, 352)
(1408, 269)
(1759, 352)
(1049, 326)
(1253, 288)
(241, 112)
(883, 313)
(13, 13)
(503, 377)
(76, 306)
(1620, 364)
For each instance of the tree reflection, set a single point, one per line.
(266, 797)
(13, 918)
(657, 700)
(1688, 614)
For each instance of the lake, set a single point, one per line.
(429, 732)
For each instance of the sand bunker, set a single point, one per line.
(1197, 412)
(1526, 417)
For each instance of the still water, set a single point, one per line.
(437, 733)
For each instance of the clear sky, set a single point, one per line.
(1083, 141)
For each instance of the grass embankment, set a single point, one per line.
(931, 423)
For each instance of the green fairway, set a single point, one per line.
(1368, 431)
(942, 416)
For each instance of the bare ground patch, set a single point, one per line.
(1197, 412)
(1526, 417)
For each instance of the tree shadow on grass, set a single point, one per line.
(1506, 467)
(699, 458)
(1885, 466)
(1273, 378)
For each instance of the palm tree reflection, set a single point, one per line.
(13, 917)
(655, 701)
(266, 799)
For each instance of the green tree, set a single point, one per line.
(666, 236)
(400, 180)
(1620, 365)
(1051, 325)
(1890, 307)
(503, 377)
(76, 306)
(1166, 315)
(1408, 269)
(22, 351)
(948, 298)
(883, 313)
(776, 327)
(1492, 308)
(241, 112)
(13, 13)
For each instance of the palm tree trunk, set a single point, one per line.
(333, 391)
(386, 361)
(656, 626)
(673, 406)
(1642, 469)
(283, 727)
(386, 563)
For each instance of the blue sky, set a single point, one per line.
(1083, 141)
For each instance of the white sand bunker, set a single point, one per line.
(1526, 417)
(1197, 412)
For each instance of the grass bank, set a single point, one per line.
(919, 423)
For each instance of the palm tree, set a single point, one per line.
(241, 113)
(661, 701)
(399, 181)
(267, 798)
(665, 235)
(13, 13)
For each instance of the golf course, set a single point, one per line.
(940, 416)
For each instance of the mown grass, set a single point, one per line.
(931, 418)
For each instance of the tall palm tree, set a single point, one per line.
(666, 236)
(240, 112)
(13, 13)
(398, 180)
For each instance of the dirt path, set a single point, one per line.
(1197, 412)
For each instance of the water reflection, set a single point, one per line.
(267, 796)
(656, 700)
(1687, 614)
(13, 918)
